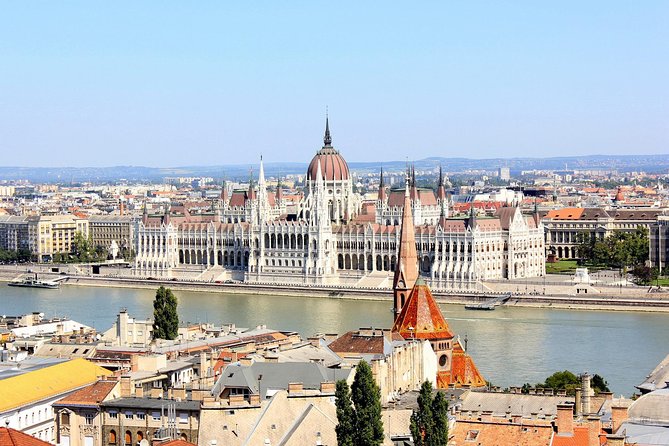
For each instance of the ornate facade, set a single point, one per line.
(255, 235)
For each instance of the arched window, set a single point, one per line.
(112, 436)
(128, 438)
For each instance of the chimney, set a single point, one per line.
(516, 418)
(198, 394)
(585, 393)
(139, 391)
(328, 387)
(254, 399)
(615, 440)
(179, 393)
(618, 415)
(134, 363)
(204, 366)
(295, 388)
(594, 429)
(126, 387)
(578, 403)
(486, 416)
(565, 419)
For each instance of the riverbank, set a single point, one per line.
(655, 302)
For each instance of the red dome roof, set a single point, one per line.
(333, 165)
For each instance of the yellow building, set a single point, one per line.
(50, 234)
(26, 400)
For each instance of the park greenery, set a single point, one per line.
(566, 380)
(165, 317)
(359, 410)
(82, 250)
(429, 422)
(14, 256)
(625, 251)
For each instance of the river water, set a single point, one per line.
(511, 346)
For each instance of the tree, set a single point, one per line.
(345, 415)
(359, 424)
(366, 398)
(422, 422)
(165, 317)
(429, 423)
(599, 384)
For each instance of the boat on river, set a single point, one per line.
(489, 305)
(34, 282)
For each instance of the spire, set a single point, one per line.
(327, 139)
(406, 271)
(471, 221)
(261, 174)
(382, 188)
(251, 194)
(442, 218)
(224, 193)
(441, 192)
(279, 191)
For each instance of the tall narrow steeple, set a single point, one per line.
(441, 192)
(406, 270)
(327, 139)
(261, 174)
(382, 188)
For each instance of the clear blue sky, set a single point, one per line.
(195, 83)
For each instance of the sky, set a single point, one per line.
(174, 83)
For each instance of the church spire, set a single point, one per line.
(382, 188)
(327, 139)
(406, 271)
(441, 192)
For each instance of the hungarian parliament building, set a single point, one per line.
(330, 236)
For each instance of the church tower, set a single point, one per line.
(406, 271)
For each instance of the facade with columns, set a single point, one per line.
(255, 236)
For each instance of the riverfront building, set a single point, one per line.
(327, 236)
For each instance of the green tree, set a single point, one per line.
(366, 398)
(599, 384)
(562, 380)
(440, 413)
(345, 415)
(422, 421)
(165, 317)
(429, 423)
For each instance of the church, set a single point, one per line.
(325, 238)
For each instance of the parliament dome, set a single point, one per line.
(333, 165)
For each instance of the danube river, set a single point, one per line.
(511, 346)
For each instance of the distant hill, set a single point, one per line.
(622, 163)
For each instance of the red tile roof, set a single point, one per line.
(178, 442)
(422, 314)
(90, 395)
(501, 432)
(12, 437)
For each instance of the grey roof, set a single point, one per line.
(150, 403)
(651, 408)
(644, 434)
(502, 404)
(28, 365)
(208, 342)
(261, 376)
(658, 378)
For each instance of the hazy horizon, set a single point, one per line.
(172, 84)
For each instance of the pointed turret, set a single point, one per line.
(382, 188)
(471, 221)
(224, 194)
(145, 214)
(406, 271)
(442, 218)
(327, 139)
(261, 174)
(251, 193)
(441, 192)
(279, 192)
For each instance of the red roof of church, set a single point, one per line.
(463, 369)
(422, 314)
